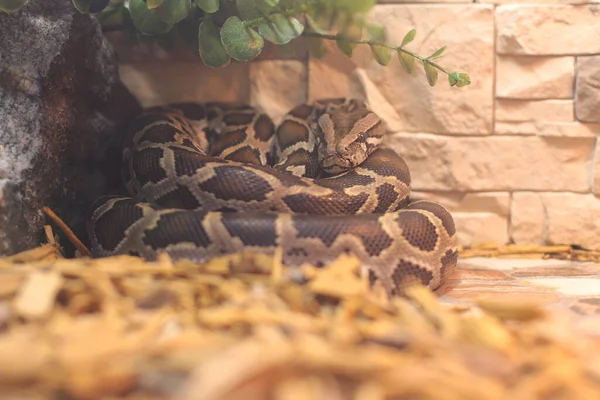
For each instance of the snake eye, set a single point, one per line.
(361, 137)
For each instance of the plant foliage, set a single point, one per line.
(12, 5)
(221, 30)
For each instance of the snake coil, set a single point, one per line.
(209, 179)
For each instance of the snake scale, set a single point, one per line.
(209, 179)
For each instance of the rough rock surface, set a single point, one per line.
(548, 29)
(408, 103)
(525, 77)
(541, 2)
(496, 163)
(479, 217)
(61, 109)
(527, 210)
(159, 82)
(545, 128)
(570, 218)
(535, 110)
(587, 92)
(596, 161)
(277, 86)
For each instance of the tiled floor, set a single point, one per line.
(558, 285)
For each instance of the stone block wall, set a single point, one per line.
(515, 156)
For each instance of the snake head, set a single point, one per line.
(348, 135)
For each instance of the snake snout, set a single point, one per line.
(343, 159)
(354, 154)
(335, 163)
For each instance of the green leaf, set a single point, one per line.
(357, 6)
(12, 5)
(437, 53)
(376, 33)
(210, 48)
(268, 3)
(316, 47)
(251, 9)
(382, 54)
(98, 5)
(114, 17)
(146, 21)
(314, 25)
(209, 6)
(248, 9)
(407, 61)
(431, 72)
(346, 47)
(459, 79)
(280, 29)
(241, 42)
(352, 31)
(320, 17)
(152, 4)
(90, 6)
(409, 37)
(173, 11)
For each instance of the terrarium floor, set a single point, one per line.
(520, 328)
(554, 284)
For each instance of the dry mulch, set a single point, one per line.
(241, 327)
(560, 252)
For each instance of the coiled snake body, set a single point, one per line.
(211, 179)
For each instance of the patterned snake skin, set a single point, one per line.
(212, 179)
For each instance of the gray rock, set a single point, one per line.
(62, 112)
(587, 89)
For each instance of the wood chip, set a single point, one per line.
(244, 326)
(561, 252)
(37, 295)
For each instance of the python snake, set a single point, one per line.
(210, 179)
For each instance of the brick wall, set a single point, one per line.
(515, 155)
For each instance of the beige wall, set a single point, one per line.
(515, 156)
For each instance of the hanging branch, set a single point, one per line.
(221, 30)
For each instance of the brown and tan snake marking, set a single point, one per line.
(212, 179)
